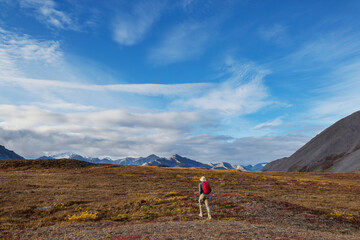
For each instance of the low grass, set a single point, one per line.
(37, 193)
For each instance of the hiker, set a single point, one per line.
(204, 191)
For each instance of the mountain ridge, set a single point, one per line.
(151, 160)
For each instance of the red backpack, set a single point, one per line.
(206, 187)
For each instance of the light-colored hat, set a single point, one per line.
(203, 179)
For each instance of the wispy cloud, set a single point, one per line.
(242, 93)
(331, 62)
(326, 50)
(275, 33)
(339, 55)
(341, 96)
(269, 124)
(30, 50)
(46, 12)
(130, 28)
(185, 41)
(143, 89)
(17, 52)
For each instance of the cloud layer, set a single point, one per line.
(115, 133)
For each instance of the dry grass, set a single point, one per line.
(33, 195)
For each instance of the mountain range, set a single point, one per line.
(151, 160)
(336, 149)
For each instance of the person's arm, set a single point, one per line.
(200, 189)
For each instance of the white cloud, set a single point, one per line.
(46, 12)
(62, 105)
(269, 124)
(109, 132)
(30, 117)
(242, 93)
(130, 28)
(17, 49)
(144, 89)
(33, 132)
(185, 41)
(159, 89)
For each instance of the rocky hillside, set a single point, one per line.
(336, 149)
(7, 154)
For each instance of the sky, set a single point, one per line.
(213, 80)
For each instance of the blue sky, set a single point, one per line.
(237, 81)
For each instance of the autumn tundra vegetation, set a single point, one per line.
(36, 194)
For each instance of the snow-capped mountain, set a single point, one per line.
(154, 160)
(255, 167)
(176, 161)
(77, 157)
(137, 161)
(226, 166)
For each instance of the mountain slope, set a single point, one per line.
(336, 149)
(7, 154)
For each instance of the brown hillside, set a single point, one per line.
(22, 164)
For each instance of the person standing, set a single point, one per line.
(204, 192)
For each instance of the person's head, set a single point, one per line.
(203, 179)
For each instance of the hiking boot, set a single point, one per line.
(200, 215)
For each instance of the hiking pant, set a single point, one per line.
(205, 198)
